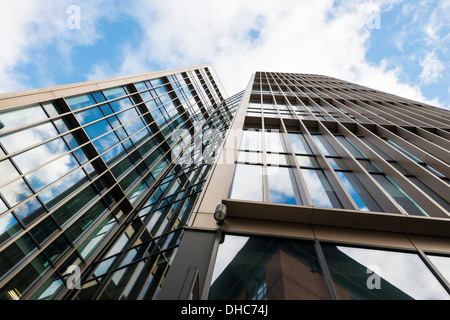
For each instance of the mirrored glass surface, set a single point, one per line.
(399, 195)
(358, 192)
(247, 183)
(274, 141)
(324, 145)
(368, 274)
(442, 264)
(253, 268)
(320, 190)
(23, 116)
(282, 186)
(299, 143)
(251, 140)
(27, 137)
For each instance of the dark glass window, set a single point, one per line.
(287, 270)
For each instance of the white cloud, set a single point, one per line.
(29, 26)
(294, 36)
(432, 68)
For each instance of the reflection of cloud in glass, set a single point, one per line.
(16, 192)
(227, 252)
(52, 172)
(274, 141)
(23, 116)
(6, 223)
(247, 183)
(251, 140)
(405, 271)
(442, 264)
(316, 189)
(281, 185)
(359, 202)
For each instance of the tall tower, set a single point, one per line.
(331, 190)
(100, 175)
(159, 186)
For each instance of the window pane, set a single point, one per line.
(275, 159)
(15, 252)
(17, 118)
(442, 264)
(251, 140)
(350, 147)
(274, 142)
(247, 183)
(51, 172)
(306, 161)
(8, 172)
(320, 190)
(431, 193)
(337, 163)
(250, 157)
(358, 192)
(324, 145)
(9, 227)
(398, 195)
(287, 270)
(380, 275)
(22, 139)
(282, 186)
(80, 101)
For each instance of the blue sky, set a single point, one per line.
(397, 46)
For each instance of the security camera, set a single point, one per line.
(220, 214)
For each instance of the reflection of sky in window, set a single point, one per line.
(281, 185)
(7, 223)
(8, 172)
(25, 138)
(80, 101)
(323, 145)
(405, 271)
(52, 172)
(21, 117)
(315, 181)
(247, 183)
(299, 144)
(274, 142)
(353, 193)
(63, 185)
(442, 264)
(251, 140)
(227, 251)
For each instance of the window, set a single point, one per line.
(242, 272)
(399, 195)
(282, 186)
(368, 274)
(247, 183)
(251, 140)
(274, 141)
(358, 192)
(321, 192)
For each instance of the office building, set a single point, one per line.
(160, 186)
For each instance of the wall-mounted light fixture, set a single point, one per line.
(220, 214)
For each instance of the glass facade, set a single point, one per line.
(111, 180)
(266, 268)
(97, 170)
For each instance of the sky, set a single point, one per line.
(397, 46)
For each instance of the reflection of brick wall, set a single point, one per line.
(289, 279)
